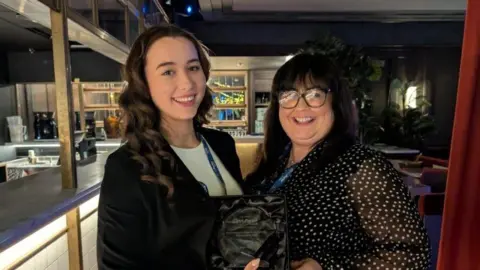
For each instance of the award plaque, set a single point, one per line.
(249, 227)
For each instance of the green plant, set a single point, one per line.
(357, 69)
(405, 120)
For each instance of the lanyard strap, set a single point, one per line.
(286, 173)
(282, 179)
(213, 164)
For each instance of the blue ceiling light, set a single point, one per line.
(189, 9)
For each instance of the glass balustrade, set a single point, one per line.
(82, 7)
(111, 16)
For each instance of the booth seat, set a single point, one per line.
(249, 155)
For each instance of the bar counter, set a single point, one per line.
(30, 204)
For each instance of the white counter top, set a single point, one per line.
(113, 142)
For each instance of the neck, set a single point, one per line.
(179, 133)
(299, 152)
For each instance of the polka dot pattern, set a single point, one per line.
(354, 213)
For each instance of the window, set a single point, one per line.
(411, 97)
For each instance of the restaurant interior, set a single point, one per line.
(412, 67)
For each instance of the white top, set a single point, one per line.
(197, 163)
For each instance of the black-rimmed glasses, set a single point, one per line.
(314, 97)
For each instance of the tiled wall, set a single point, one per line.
(89, 242)
(53, 257)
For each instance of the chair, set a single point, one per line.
(249, 155)
(431, 161)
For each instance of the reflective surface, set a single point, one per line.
(79, 29)
(111, 16)
(247, 227)
(82, 7)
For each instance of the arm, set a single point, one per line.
(122, 242)
(389, 217)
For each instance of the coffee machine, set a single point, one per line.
(45, 126)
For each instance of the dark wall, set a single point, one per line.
(3, 68)
(268, 39)
(443, 68)
(38, 67)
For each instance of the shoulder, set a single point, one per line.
(216, 136)
(121, 158)
(362, 153)
(121, 168)
(371, 164)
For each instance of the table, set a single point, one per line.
(395, 152)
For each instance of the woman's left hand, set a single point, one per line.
(306, 264)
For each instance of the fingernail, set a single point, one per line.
(256, 262)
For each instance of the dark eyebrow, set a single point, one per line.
(173, 63)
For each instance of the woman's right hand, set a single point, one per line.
(252, 265)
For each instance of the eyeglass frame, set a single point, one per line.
(302, 95)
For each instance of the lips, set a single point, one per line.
(185, 99)
(303, 120)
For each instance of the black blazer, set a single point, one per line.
(139, 229)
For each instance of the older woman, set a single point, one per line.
(348, 208)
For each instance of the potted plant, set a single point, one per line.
(405, 120)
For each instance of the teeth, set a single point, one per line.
(303, 119)
(184, 99)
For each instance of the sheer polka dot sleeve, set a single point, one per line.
(388, 217)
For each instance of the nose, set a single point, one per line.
(185, 81)
(302, 104)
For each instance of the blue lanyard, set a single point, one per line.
(282, 179)
(286, 173)
(212, 163)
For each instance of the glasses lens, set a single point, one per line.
(315, 97)
(288, 99)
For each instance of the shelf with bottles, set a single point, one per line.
(228, 81)
(231, 117)
(229, 99)
(262, 99)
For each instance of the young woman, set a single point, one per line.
(347, 206)
(154, 211)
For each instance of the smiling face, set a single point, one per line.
(175, 78)
(305, 125)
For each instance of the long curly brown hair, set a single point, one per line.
(141, 117)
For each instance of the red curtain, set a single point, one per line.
(460, 241)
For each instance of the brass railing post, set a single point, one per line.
(95, 16)
(127, 26)
(65, 116)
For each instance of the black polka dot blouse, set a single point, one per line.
(348, 208)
